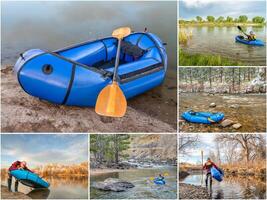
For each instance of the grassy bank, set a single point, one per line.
(186, 59)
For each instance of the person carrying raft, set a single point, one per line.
(15, 166)
(207, 166)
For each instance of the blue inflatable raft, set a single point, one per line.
(216, 174)
(159, 182)
(202, 117)
(29, 179)
(241, 39)
(75, 75)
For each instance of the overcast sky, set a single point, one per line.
(189, 9)
(194, 155)
(43, 149)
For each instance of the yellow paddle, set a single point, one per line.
(111, 101)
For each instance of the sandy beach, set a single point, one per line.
(24, 113)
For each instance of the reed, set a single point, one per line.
(184, 36)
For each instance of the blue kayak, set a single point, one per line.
(159, 182)
(75, 75)
(202, 117)
(249, 42)
(216, 174)
(29, 179)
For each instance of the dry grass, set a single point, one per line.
(58, 170)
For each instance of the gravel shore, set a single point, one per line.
(23, 113)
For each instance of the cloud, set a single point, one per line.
(44, 149)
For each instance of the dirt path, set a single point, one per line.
(23, 113)
(248, 109)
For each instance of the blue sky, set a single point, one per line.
(43, 149)
(189, 9)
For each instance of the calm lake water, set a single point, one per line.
(53, 25)
(232, 187)
(221, 41)
(144, 188)
(60, 188)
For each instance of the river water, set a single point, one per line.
(144, 188)
(232, 187)
(221, 41)
(60, 188)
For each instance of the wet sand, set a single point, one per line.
(24, 113)
(5, 194)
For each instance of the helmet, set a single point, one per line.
(208, 159)
(251, 33)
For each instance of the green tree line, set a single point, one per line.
(109, 148)
(228, 19)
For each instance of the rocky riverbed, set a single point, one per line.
(24, 113)
(242, 112)
(187, 191)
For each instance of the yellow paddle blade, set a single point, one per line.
(151, 178)
(166, 174)
(111, 101)
(121, 32)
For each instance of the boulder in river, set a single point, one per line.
(113, 184)
(226, 122)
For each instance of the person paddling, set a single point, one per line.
(251, 36)
(207, 166)
(21, 165)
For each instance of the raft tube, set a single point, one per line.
(216, 174)
(29, 179)
(159, 182)
(241, 39)
(75, 75)
(202, 117)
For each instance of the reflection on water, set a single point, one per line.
(60, 188)
(223, 43)
(232, 187)
(144, 188)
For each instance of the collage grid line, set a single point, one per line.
(47, 111)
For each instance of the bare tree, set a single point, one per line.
(187, 142)
(248, 143)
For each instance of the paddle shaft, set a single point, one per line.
(239, 27)
(117, 61)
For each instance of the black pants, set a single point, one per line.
(208, 176)
(9, 183)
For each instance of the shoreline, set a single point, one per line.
(5, 194)
(188, 191)
(100, 171)
(24, 113)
